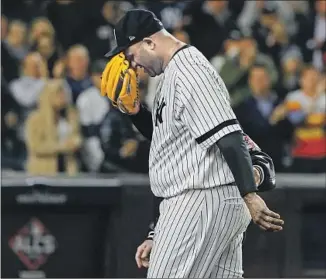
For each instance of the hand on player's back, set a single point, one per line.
(266, 219)
(142, 254)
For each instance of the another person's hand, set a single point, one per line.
(70, 145)
(11, 119)
(44, 72)
(143, 252)
(247, 58)
(279, 33)
(59, 69)
(128, 148)
(278, 114)
(261, 215)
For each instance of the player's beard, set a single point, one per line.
(150, 72)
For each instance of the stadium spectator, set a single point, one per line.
(12, 149)
(40, 27)
(9, 64)
(257, 103)
(311, 35)
(270, 34)
(170, 12)
(286, 12)
(90, 119)
(15, 41)
(27, 88)
(111, 143)
(236, 69)
(122, 144)
(69, 17)
(231, 48)
(23, 10)
(77, 75)
(242, 39)
(290, 71)
(4, 27)
(305, 108)
(45, 46)
(208, 24)
(53, 135)
(99, 36)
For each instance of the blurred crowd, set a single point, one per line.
(271, 55)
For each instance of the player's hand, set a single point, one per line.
(257, 176)
(142, 254)
(266, 219)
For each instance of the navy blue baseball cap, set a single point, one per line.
(133, 27)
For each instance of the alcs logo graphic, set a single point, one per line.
(33, 244)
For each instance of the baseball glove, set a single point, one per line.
(120, 84)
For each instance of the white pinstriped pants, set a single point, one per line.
(199, 235)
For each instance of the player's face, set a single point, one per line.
(143, 55)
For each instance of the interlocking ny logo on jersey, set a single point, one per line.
(33, 244)
(159, 110)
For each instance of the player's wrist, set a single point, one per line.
(249, 197)
(151, 231)
(150, 235)
(140, 110)
(260, 172)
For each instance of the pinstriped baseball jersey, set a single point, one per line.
(191, 112)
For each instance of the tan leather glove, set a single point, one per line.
(120, 84)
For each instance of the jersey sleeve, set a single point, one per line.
(206, 109)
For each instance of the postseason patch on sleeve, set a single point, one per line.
(251, 145)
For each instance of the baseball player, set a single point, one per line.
(199, 163)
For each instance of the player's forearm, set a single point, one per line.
(236, 154)
(143, 122)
